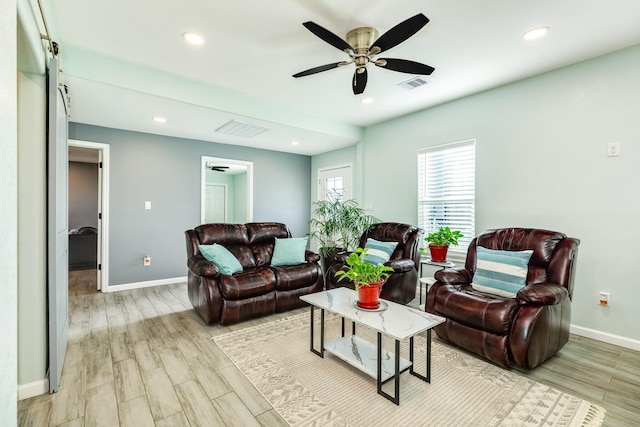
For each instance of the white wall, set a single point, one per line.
(541, 162)
(8, 213)
(32, 297)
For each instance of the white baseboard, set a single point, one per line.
(606, 337)
(138, 285)
(33, 389)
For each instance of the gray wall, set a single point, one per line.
(541, 162)
(166, 171)
(83, 195)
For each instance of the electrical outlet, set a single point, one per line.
(613, 149)
(604, 298)
(146, 261)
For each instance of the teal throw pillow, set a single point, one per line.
(289, 251)
(226, 262)
(501, 273)
(379, 252)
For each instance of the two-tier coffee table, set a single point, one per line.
(395, 320)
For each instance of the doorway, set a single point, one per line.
(226, 190)
(88, 219)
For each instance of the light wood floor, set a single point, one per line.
(143, 358)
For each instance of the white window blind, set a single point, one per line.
(446, 189)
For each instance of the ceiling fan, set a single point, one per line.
(218, 168)
(363, 44)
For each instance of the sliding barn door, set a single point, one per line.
(57, 233)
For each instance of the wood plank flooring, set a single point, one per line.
(143, 358)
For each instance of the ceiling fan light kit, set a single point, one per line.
(363, 44)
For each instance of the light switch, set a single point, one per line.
(147, 205)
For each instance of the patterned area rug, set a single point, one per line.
(311, 391)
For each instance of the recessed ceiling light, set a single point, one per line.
(295, 143)
(366, 100)
(159, 119)
(536, 33)
(193, 38)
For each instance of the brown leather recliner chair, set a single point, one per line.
(401, 285)
(525, 330)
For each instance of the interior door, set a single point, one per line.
(57, 233)
(335, 182)
(216, 203)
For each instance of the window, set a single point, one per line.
(446, 189)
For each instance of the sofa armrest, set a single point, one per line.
(454, 276)
(311, 256)
(200, 266)
(341, 257)
(401, 265)
(542, 294)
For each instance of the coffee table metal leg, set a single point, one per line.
(313, 350)
(396, 398)
(426, 377)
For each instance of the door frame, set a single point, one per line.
(103, 208)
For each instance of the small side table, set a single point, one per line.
(427, 281)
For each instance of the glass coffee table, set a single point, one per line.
(393, 320)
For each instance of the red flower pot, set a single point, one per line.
(369, 296)
(438, 253)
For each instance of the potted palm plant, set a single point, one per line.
(439, 242)
(367, 277)
(337, 225)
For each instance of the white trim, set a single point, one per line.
(147, 284)
(606, 337)
(103, 250)
(36, 388)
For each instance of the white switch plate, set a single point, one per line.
(613, 149)
(146, 261)
(147, 205)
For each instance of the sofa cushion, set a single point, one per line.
(289, 251)
(501, 273)
(379, 252)
(298, 276)
(247, 284)
(463, 307)
(226, 262)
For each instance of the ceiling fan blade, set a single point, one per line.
(405, 66)
(327, 36)
(319, 69)
(359, 81)
(401, 32)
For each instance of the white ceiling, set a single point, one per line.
(253, 47)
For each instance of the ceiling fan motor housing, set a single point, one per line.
(362, 38)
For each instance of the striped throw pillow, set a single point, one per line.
(501, 273)
(379, 252)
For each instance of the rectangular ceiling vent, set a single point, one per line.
(413, 83)
(244, 130)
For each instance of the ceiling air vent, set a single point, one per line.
(413, 83)
(244, 130)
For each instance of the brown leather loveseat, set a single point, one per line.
(259, 288)
(525, 329)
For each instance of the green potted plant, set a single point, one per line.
(367, 278)
(439, 242)
(337, 225)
